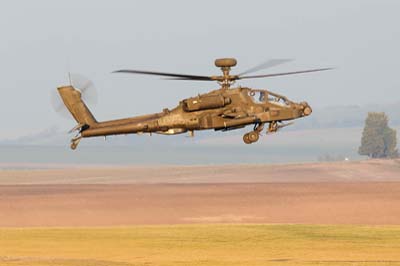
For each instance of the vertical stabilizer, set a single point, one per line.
(78, 109)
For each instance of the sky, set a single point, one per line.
(42, 41)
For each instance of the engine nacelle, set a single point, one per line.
(205, 102)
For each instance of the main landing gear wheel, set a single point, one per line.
(246, 138)
(251, 137)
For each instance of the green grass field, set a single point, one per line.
(201, 245)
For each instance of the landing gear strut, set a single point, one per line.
(273, 127)
(75, 141)
(254, 135)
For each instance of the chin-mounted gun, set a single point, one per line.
(274, 126)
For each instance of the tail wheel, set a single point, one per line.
(75, 141)
(246, 138)
(74, 146)
(253, 136)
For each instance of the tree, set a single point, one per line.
(378, 139)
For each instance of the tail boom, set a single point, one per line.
(88, 125)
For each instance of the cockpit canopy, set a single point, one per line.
(263, 96)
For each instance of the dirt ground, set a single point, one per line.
(357, 171)
(333, 193)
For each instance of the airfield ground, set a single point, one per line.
(344, 213)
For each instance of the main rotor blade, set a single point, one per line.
(284, 74)
(265, 65)
(174, 75)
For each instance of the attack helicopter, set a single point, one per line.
(223, 109)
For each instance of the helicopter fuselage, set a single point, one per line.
(222, 109)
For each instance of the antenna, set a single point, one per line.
(69, 78)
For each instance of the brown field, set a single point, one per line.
(330, 214)
(107, 205)
(357, 171)
(328, 193)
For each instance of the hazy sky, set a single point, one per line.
(41, 41)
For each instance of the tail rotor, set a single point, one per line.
(70, 101)
(79, 82)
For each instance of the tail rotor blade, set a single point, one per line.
(86, 87)
(58, 105)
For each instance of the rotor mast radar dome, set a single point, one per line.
(225, 64)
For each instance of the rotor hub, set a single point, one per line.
(225, 64)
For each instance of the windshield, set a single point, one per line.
(257, 96)
(277, 99)
(262, 96)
